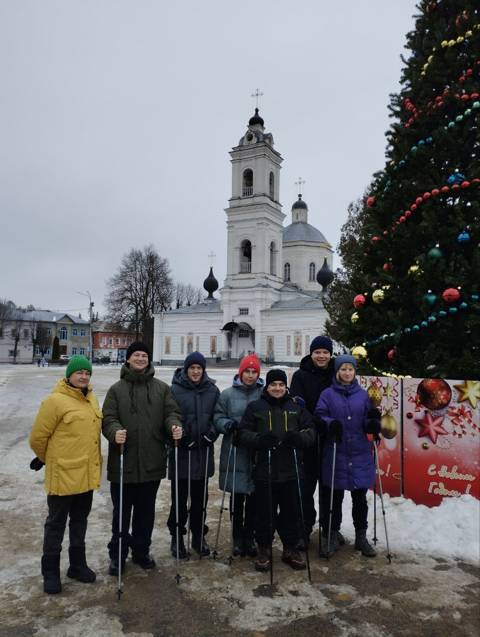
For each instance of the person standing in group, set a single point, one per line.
(273, 427)
(196, 395)
(246, 387)
(140, 413)
(346, 414)
(66, 439)
(314, 375)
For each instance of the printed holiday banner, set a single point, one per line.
(385, 394)
(441, 439)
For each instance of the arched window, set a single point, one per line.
(286, 272)
(246, 257)
(273, 254)
(272, 186)
(311, 272)
(247, 186)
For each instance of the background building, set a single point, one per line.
(110, 342)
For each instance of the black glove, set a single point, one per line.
(267, 440)
(293, 439)
(374, 413)
(230, 426)
(299, 400)
(36, 464)
(319, 424)
(191, 444)
(208, 440)
(372, 427)
(335, 431)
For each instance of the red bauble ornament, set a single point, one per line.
(413, 207)
(387, 266)
(435, 192)
(426, 195)
(434, 393)
(391, 354)
(465, 184)
(408, 213)
(402, 219)
(359, 301)
(371, 201)
(375, 239)
(445, 189)
(475, 96)
(418, 200)
(450, 295)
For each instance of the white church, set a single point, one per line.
(271, 299)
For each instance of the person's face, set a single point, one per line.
(277, 389)
(249, 377)
(346, 373)
(79, 379)
(138, 361)
(195, 373)
(321, 357)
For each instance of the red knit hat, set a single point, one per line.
(249, 361)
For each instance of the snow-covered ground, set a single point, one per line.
(429, 585)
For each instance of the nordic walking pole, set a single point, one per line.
(230, 558)
(205, 491)
(215, 552)
(389, 555)
(330, 513)
(320, 490)
(120, 528)
(189, 498)
(375, 538)
(302, 517)
(177, 525)
(270, 512)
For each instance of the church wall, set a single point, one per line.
(300, 256)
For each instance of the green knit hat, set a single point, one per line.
(77, 363)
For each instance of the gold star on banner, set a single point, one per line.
(388, 391)
(469, 390)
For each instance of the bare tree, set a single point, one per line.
(141, 286)
(187, 294)
(41, 339)
(6, 313)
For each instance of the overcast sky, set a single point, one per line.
(117, 117)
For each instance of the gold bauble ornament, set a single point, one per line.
(354, 318)
(414, 270)
(389, 426)
(425, 445)
(375, 394)
(378, 296)
(359, 352)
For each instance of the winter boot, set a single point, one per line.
(113, 568)
(362, 544)
(238, 547)
(51, 574)
(327, 550)
(182, 551)
(78, 568)
(249, 547)
(303, 543)
(340, 539)
(205, 549)
(262, 563)
(293, 558)
(145, 561)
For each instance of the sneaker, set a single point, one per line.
(144, 561)
(205, 548)
(363, 545)
(293, 558)
(182, 551)
(262, 563)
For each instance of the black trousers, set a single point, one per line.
(139, 510)
(196, 508)
(243, 516)
(359, 508)
(76, 508)
(285, 512)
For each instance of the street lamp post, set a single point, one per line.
(90, 312)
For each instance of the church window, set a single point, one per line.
(311, 272)
(213, 345)
(243, 311)
(182, 344)
(63, 334)
(272, 186)
(243, 334)
(246, 257)
(289, 345)
(273, 253)
(197, 343)
(286, 272)
(167, 345)
(247, 189)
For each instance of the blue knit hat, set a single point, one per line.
(195, 358)
(321, 342)
(344, 358)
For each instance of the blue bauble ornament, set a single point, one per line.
(407, 330)
(463, 305)
(430, 298)
(442, 313)
(453, 310)
(415, 328)
(475, 297)
(463, 237)
(429, 140)
(431, 319)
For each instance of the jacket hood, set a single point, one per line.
(239, 385)
(180, 378)
(63, 387)
(307, 365)
(131, 376)
(347, 390)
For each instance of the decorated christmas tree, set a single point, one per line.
(408, 294)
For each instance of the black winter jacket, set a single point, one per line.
(309, 381)
(197, 404)
(278, 416)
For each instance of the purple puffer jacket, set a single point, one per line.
(354, 465)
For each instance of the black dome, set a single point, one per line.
(299, 204)
(256, 119)
(210, 284)
(324, 275)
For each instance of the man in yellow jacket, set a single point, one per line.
(66, 438)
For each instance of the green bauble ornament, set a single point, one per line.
(435, 253)
(430, 297)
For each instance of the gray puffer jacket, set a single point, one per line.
(231, 406)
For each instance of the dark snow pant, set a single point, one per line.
(196, 508)
(308, 483)
(243, 516)
(76, 507)
(139, 508)
(359, 508)
(284, 509)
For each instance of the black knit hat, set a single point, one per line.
(195, 358)
(275, 374)
(138, 346)
(321, 342)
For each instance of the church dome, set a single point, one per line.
(299, 204)
(256, 119)
(299, 231)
